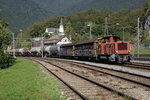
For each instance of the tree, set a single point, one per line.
(5, 60)
(69, 31)
(145, 36)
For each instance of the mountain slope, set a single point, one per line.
(21, 13)
(57, 6)
(72, 6)
(112, 5)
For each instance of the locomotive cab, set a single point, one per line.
(113, 49)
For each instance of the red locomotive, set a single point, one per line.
(114, 50)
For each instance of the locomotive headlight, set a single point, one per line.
(129, 51)
(116, 51)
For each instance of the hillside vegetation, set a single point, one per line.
(77, 25)
(5, 60)
(22, 13)
(72, 6)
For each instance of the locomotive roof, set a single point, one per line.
(109, 37)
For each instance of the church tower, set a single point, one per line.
(61, 28)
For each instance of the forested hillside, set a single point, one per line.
(111, 5)
(72, 6)
(77, 25)
(22, 13)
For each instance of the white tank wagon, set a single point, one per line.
(26, 51)
(36, 51)
(17, 53)
(55, 50)
(10, 52)
(21, 52)
(47, 52)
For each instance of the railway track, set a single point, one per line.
(85, 88)
(132, 78)
(75, 94)
(142, 66)
(110, 72)
(134, 65)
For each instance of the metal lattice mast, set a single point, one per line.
(106, 27)
(14, 45)
(138, 36)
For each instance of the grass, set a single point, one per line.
(25, 81)
(142, 51)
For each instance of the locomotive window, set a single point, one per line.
(122, 46)
(105, 40)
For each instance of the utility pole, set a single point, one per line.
(149, 31)
(42, 45)
(21, 38)
(90, 32)
(106, 27)
(14, 45)
(90, 24)
(138, 35)
(31, 42)
(123, 33)
(123, 27)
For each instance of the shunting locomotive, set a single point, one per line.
(114, 50)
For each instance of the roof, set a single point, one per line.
(52, 29)
(110, 36)
(54, 39)
(50, 41)
(67, 45)
(37, 39)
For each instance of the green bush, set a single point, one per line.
(5, 38)
(5, 60)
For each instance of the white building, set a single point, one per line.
(60, 38)
(59, 31)
(51, 30)
(57, 40)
